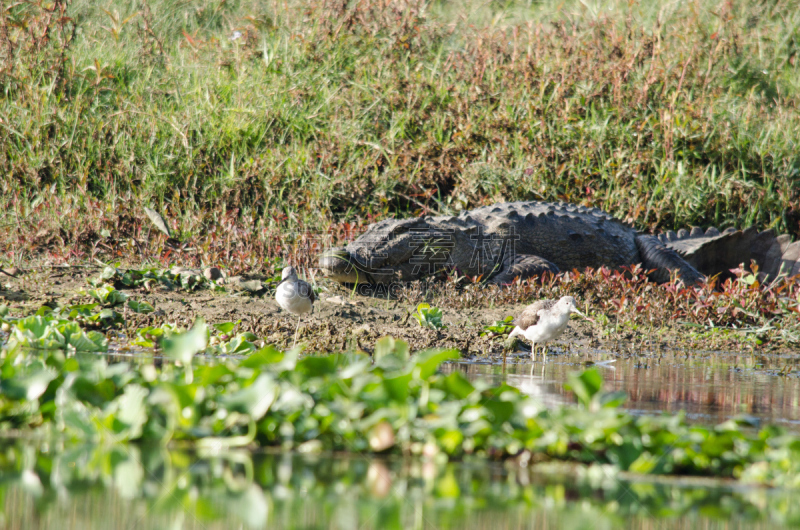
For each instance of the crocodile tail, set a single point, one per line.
(714, 252)
(656, 255)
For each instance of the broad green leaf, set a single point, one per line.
(253, 400)
(613, 399)
(129, 474)
(383, 347)
(140, 307)
(89, 342)
(108, 273)
(240, 344)
(268, 356)
(458, 385)
(429, 361)
(131, 411)
(585, 385)
(28, 383)
(184, 346)
(37, 325)
(316, 366)
(210, 375)
(226, 327)
(389, 346)
(397, 385)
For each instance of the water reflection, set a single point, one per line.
(130, 487)
(711, 388)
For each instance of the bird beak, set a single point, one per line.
(590, 319)
(575, 310)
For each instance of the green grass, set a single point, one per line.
(324, 116)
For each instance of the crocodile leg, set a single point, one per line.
(656, 255)
(523, 266)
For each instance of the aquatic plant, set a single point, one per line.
(148, 278)
(499, 327)
(428, 317)
(48, 332)
(347, 402)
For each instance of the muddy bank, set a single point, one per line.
(344, 321)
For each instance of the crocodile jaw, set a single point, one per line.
(338, 265)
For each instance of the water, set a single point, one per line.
(711, 387)
(127, 487)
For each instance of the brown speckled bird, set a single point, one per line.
(544, 321)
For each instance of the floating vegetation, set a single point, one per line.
(347, 402)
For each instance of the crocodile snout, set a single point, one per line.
(338, 265)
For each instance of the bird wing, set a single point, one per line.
(530, 315)
(305, 289)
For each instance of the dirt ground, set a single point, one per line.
(342, 321)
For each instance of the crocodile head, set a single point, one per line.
(391, 250)
(339, 265)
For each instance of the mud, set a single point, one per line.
(342, 321)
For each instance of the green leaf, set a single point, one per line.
(107, 295)
(140, 307)
(240, 344)
(384, 346)
(211, 375)
(108, 273)
(316, 366)
(28, 383)
(269, 357)
(429, 317)
(38, 332)
(226, 327)
(389, 346)
(397, 386)
(447, 487)
(36, 326)
(429, 361)
(585, 385)
(613, 399)
(254, 400)
(458, 385)
(184, 346)
(43, 311)
(451, 441)
(75, 337)
(131, 412)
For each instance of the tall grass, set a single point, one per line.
(243, 120)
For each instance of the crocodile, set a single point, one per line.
(501, 242)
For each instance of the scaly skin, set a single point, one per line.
(503, 241)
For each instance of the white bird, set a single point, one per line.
(544, 321)
(295, 296)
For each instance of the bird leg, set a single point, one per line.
(533, 352)
(295, 332)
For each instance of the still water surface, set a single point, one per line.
(126, 486)
(710, 387)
